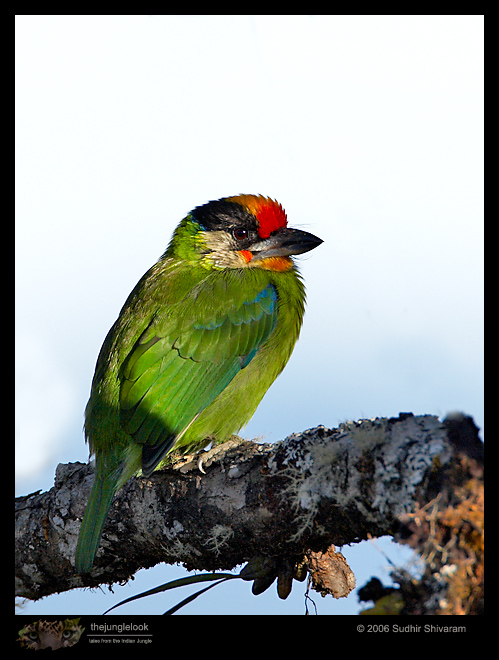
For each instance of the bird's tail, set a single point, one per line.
(106, 483)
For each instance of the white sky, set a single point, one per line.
(369, 131)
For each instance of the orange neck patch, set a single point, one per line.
(279, 264)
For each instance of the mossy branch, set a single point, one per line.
(291, 499)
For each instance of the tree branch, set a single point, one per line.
(298, 496)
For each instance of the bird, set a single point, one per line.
(197, 344)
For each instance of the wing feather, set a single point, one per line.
(179, 366)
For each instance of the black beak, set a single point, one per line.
(284, 242)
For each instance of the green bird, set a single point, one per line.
(198, 342)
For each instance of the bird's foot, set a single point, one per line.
(204, 458)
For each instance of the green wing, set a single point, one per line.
(181, 364)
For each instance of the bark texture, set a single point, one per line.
(289, 500)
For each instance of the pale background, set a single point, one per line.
(369, 131)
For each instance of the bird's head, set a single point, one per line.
(246, 231)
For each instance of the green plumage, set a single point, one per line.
(194, 349)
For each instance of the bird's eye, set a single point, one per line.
(240, 233)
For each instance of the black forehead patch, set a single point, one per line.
(223, 215)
